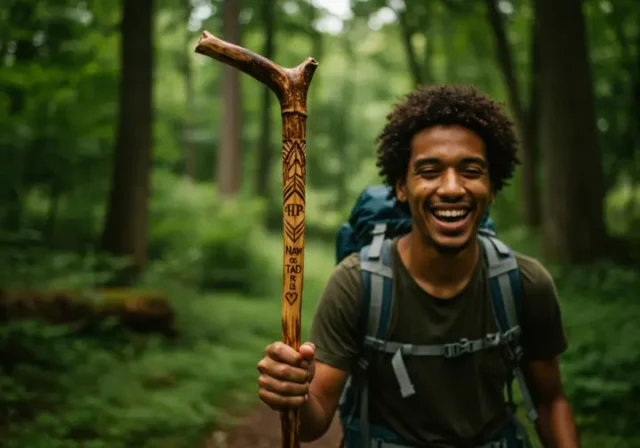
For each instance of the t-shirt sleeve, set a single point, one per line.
(334, 326)
(543, 335)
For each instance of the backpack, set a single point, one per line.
(374, 221)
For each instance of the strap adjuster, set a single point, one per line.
(493, 339)
(457, 348)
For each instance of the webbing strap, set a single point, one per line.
(400, 369)
(378, 238)
(375, 305)
(375, 267)
(377, 443)
(364, 415)
(503, 272)
(450, 350)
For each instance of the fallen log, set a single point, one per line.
(138, 310)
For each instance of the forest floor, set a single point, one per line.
(260, 428)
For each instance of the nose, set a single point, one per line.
(451, 185)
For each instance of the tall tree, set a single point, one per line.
(573, 225)
(415, 18)
(188, 148)
(125, 230)
(265, 155)
(525, 119)
(228, 165)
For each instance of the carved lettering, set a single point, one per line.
(290, 250)
(293, 209)
(293, 269)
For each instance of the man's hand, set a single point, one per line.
(285, 375)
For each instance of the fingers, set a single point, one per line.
(284, 388)
(283, 363)
(283, 372)
(285, 375)
(279, 402)
(280, 351)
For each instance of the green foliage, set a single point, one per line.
(29, 263)
(101, 387)
(623, 209)
(205, 241)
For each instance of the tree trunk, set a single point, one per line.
(229, 172)
(412, 58)
(125, 230)
(531, 150)
(188, 149)
(265, 156)
(15, 161)
(503, 52)
(573, 225)
(342, 136)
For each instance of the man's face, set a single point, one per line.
(447, 185)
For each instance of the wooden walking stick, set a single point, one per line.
(290, 86)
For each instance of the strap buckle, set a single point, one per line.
(493, 339)
(457, 348)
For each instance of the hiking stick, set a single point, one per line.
(290, 86)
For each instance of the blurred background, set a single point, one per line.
(140, 195)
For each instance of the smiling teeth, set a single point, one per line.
(450, 213)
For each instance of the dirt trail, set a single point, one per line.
(261, 429)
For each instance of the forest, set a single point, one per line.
(141, 195)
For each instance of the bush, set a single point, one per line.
(200, 240)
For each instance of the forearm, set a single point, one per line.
(314, 419)
(556, 425)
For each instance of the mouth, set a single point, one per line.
(451, 220)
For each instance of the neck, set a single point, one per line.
(436, 268)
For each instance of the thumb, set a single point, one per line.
(308, 351)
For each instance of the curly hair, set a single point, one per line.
(447, 105)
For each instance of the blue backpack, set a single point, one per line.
(374, 221)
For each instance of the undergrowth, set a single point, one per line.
(101, 386)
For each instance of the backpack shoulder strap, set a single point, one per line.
(506, 295)
(377, 296)
(377, 286)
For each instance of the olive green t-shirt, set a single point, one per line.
(458, 401)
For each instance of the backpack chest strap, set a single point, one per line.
(449, 350)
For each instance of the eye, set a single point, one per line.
(473, 171)
(428, 172)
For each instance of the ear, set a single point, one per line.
(401, 192)
(492, 197)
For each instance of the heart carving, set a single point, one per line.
(291, 297)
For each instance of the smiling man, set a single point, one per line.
(420, 329)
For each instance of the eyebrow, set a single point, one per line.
(435, 161)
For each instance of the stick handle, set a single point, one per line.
(291, 86)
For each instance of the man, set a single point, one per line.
(446, 151)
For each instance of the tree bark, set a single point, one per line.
(125, 230)
(531, 198)
(412, 58)
(188, 149)
(573, 225)
(265, 156)
(15, 160)
(342, 136)
(229, 170)
(531, 150)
